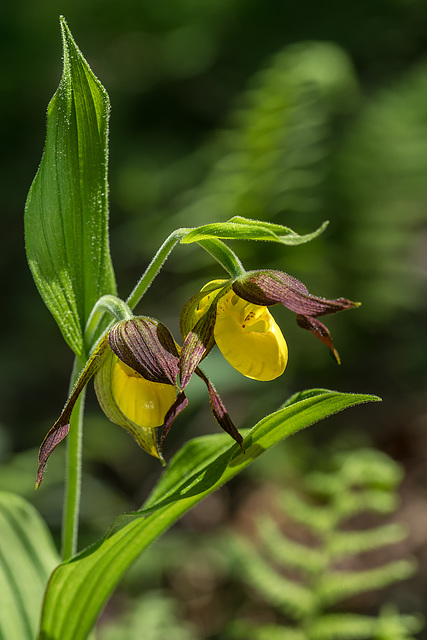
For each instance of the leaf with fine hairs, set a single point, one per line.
(79, 588)
(66, 214)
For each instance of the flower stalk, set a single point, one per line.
(155, 265)
(141, 374)
(70, 518)
(224, 255)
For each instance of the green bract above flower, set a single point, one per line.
(136, 367)
(234, 315)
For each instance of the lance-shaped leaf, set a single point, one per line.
(66, 216)
(78, 588)
(240, 228)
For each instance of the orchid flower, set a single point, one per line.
(136, 370)
(234, 315)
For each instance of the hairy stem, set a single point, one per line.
(106, 304)
(120, 310)
(155, 266)
(70, 520)
(224, 255)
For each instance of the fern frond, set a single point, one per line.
(338, 585)
(380, 177)
(249, 631)
(315, 517)
(272, 160)
(325, 485)
(361, 469)
(343, 626)
(288, 596)
(346, 543)
(355, 485)
(368, 468)
(349, 504)
(392, 624)
(287, 552)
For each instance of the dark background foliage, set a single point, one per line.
(198, 91)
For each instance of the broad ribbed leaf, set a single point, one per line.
(79, 588)
(66, 216)
(239, 228)
(27, 557)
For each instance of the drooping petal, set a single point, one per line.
(105, 389)
(320, 331)
(219, 411)
(146, 346)
(179, 405)
(53, 438)
(249, 338)
(197, 345)
(61, 427)
(272, 287)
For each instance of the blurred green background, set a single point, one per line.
(286, 111)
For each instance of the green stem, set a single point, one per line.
(70, 520)
(106, 304)
(121, 311)
(155, 266)
(224, 255)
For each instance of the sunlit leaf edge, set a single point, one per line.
(239, 228)
(79, 588)
(68, 252)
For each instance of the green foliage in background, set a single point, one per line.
(27, 558)
(272, 160)
(332, 127)
(156, 614)
(304, 581)
(177, 75)
(66, 231)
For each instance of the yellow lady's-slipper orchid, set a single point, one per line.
(234, 315)
(249, 338)
(136, 369)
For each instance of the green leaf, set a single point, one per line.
(66, 215)
(79, 588)
(27, 557)
(239, 228)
